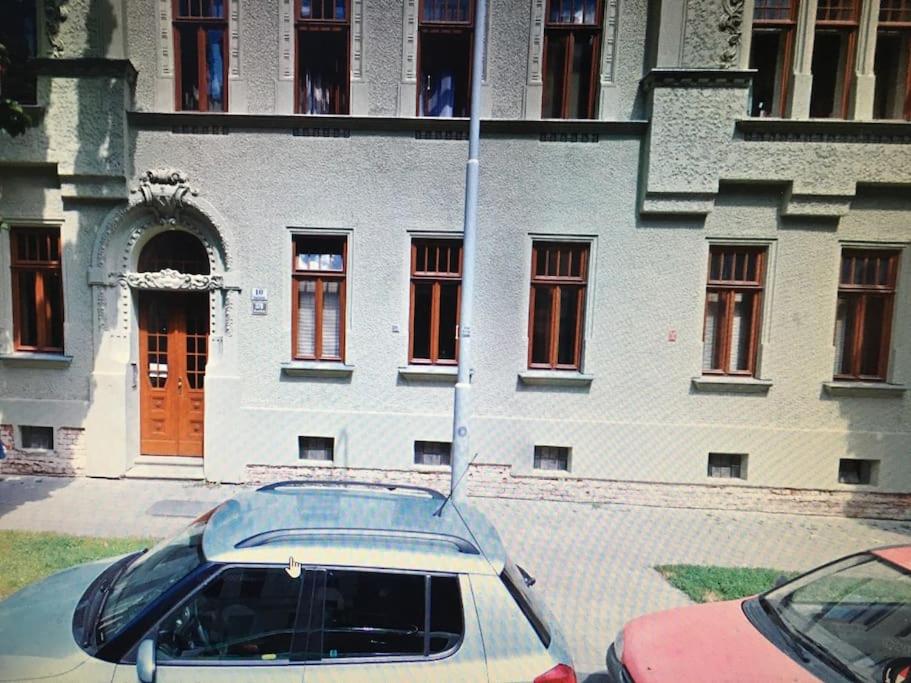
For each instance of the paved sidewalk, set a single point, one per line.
(593, 563)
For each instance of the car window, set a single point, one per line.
(149, 576)
(857, 611)
(526, 599)
(244, 613)
(384, 614)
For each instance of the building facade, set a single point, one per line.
(232, 245)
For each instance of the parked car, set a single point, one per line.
(296, 581)
(849, 620)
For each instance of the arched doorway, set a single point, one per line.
(173, 349)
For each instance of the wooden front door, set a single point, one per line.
(174, 345)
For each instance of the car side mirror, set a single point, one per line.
(145, 661)
(780, 580)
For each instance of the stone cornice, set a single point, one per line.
(824, 130)
(698, 78)
(299, 124)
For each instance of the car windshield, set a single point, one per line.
(856, 612)
(149, 576)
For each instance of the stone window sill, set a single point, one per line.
(444, 469)
(727, 384)
(429, 373)
(309, 368)
(315, 462)
(545, 474)
(28, 359)
(555, 378)
(864, 389)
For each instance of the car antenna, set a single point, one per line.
(452, 490)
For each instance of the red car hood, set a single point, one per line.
(712, 642)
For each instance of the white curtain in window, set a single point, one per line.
(740, 332)
(712, 304)
(306, 318)
(841, 328)
(331, 319)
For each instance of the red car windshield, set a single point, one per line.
(856, 612)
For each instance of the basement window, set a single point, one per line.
(859, 472)
(37, 438)
(552, 458)
(727, 466)
(316, 448)
(432, 453)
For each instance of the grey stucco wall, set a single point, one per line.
(640, 419)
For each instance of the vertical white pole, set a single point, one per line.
(462, 400)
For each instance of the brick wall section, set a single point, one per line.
(66, 460)
(497, 481)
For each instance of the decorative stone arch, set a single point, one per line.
(163, 201)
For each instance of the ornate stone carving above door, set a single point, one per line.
(168, 279)
(164, 191)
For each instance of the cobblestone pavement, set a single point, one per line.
(594, 563)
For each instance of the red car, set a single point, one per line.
(849, 620)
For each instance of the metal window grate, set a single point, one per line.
(552, 458)
(39, 438)
(727, 465)
(316, 448)
(859, 472)
(432, 453)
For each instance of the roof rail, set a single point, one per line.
(277, 535)
(291, 483)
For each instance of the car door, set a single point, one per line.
(240, 625)
(394, 626)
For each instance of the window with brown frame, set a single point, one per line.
(572, 49)
(863, 320)
(834, 47)
(892, 94)
(436, 282)
(733, 310)
(559, 277)
(201, 55)
(771, 52)
(318, 316)
(37, 289)
(323, 56)
(19, 35)
(445, 35)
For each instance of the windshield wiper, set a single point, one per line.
(101, 598)
(803, 646)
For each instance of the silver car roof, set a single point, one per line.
(353, 524)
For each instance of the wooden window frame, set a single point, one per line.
(850, 28)
(727, 291)
(557, 283)
(43, 323)
(448, 26)
(319, 277)
(860, 294)
(788, 30)
(436, 279)
(903, 29)
(596, 28)
(202, 24)
(304, 25)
